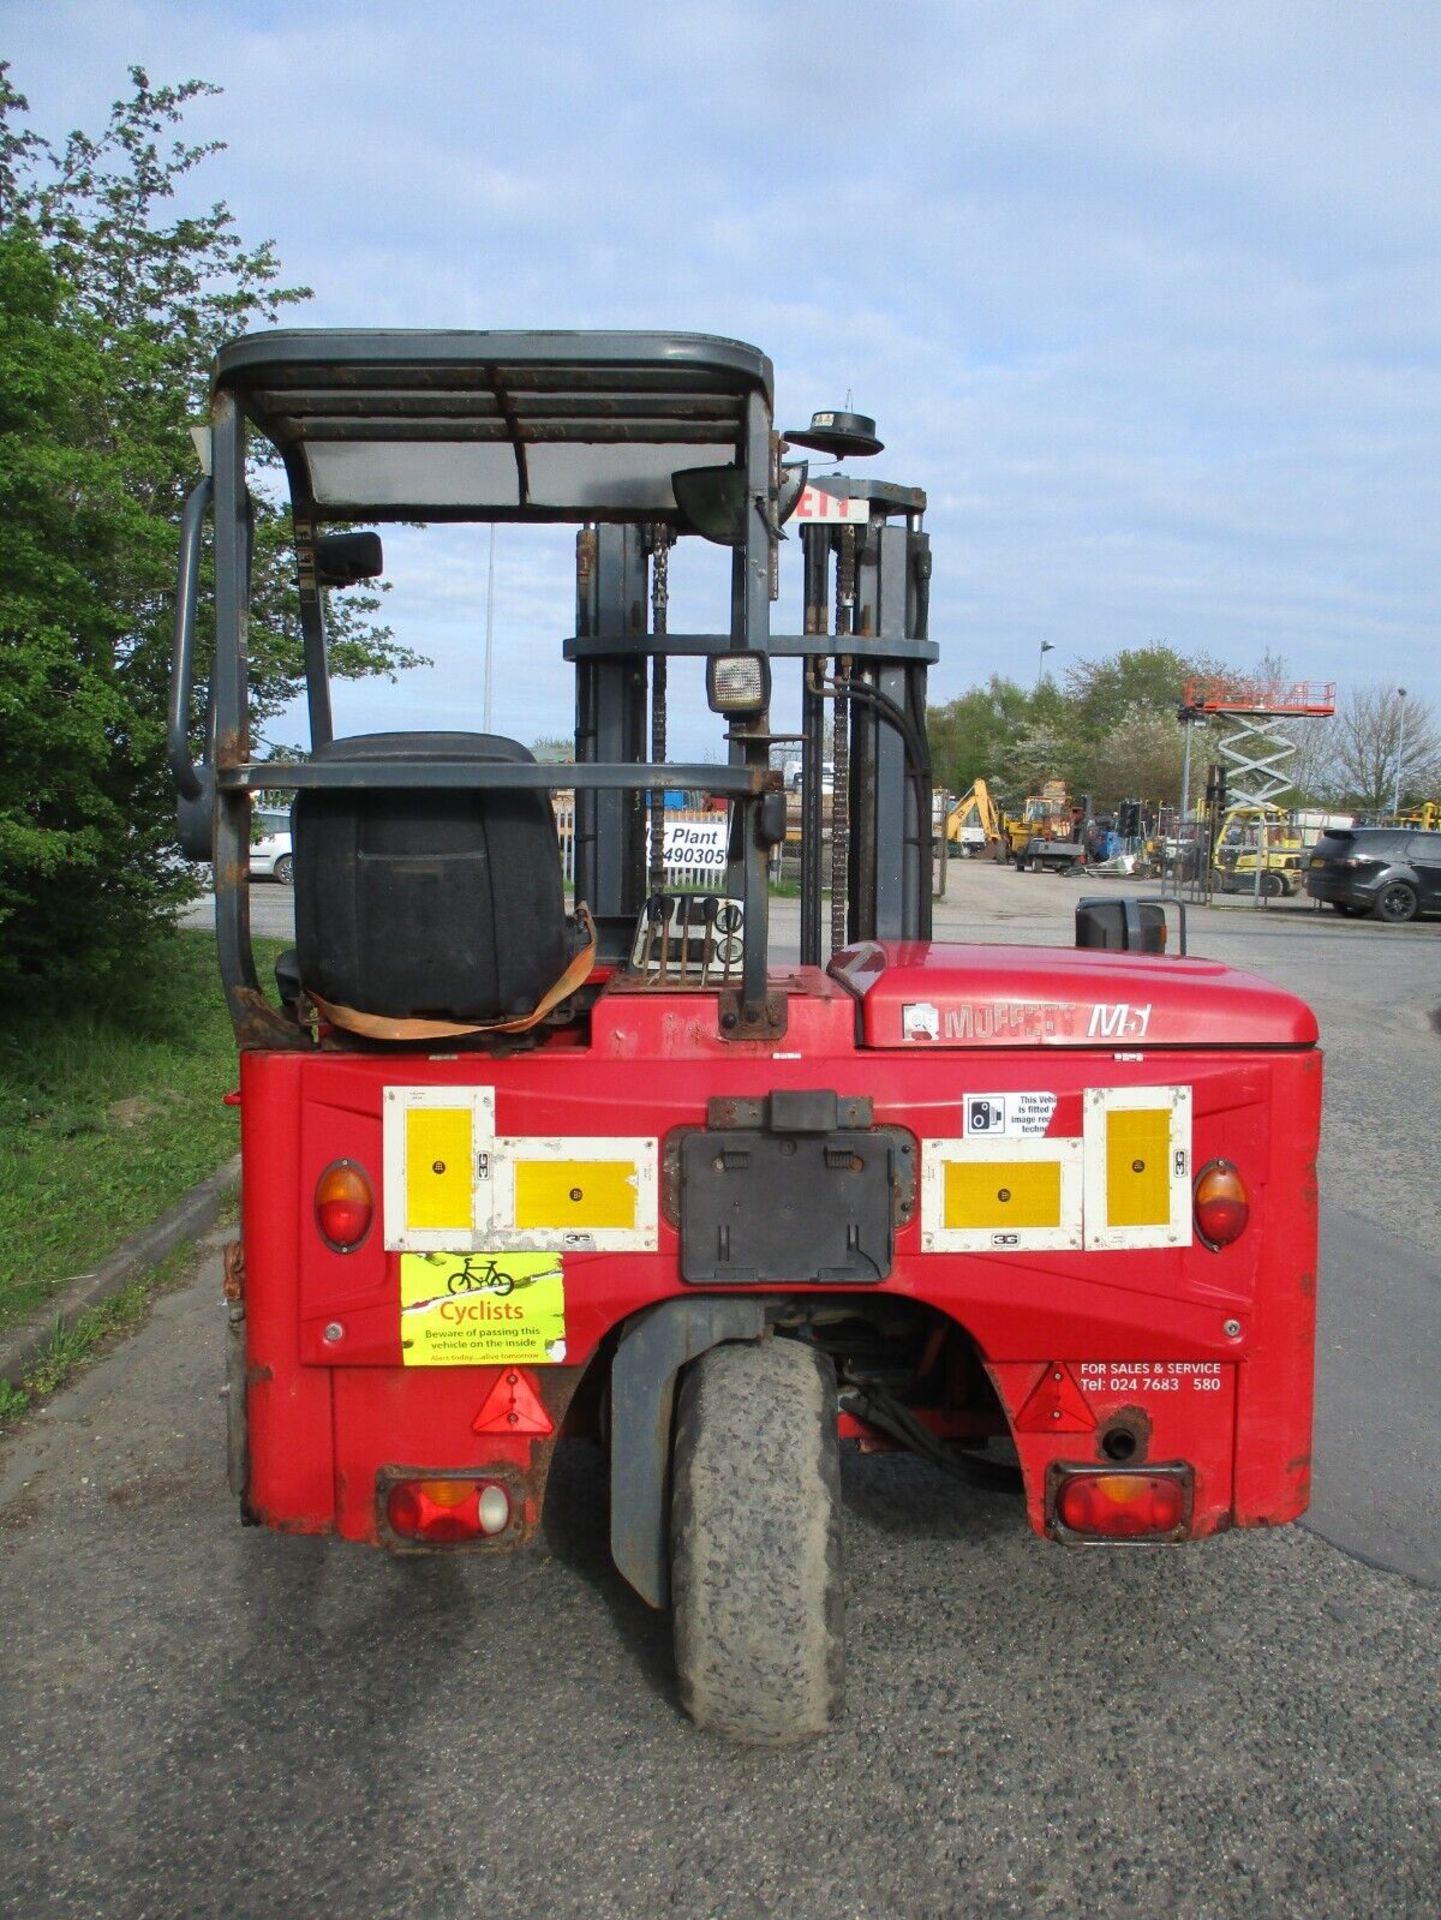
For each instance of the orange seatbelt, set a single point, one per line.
(378, 1026)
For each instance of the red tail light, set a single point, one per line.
(1221, 1204)
(442, 1510)
(1121, 1506)
(344, 1205)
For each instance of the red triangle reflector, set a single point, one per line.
(1056, 1405)
(513, 1406)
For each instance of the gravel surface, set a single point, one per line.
(205, 1720)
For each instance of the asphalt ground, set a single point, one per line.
(202, 1719)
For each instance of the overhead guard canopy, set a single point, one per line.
(508, 426)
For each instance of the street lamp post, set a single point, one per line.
(1047, 646)
(1400, 752)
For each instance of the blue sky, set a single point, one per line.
(1144, 293)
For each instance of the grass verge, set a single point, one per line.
(109, 1116)
(76, 1341)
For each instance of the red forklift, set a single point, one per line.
(523, 1161)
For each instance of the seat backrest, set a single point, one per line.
(440, 902)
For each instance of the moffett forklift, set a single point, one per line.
(516, 1168)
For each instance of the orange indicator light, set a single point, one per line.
(1222, 1205)
(344, 1205)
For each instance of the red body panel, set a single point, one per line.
(1040, 996)
(1209, 1353)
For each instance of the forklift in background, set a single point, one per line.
(1256, 833)
(516, 1169)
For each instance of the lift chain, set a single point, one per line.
(840, 741)
(840, 802)
(659, 539)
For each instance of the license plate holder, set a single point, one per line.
(810, 1208)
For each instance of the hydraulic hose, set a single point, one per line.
(881, 1409)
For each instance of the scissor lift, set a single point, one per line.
(1258, 750)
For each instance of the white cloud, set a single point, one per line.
(1143, 293)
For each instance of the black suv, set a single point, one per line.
(1391, 872)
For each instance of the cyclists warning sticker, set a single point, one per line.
(482, 1309)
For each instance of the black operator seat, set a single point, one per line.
(441, 903)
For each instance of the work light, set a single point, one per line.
(738, 682)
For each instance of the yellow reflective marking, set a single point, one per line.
(438, 1155)
(1138, 1166)
(575, 1193)
(1003, 1193)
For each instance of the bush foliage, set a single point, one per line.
(114, 298)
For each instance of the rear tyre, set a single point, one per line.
(1272, 885)
(1395, 902)
(284, 870)
(755, 1543)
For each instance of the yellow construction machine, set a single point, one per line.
(1255, 831)
(1048, 834)
(975, 824)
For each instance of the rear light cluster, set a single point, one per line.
(1121, 1506)
(344, 1205)
(1222, 1206)
(448, 1510)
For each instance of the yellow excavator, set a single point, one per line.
(975, 824)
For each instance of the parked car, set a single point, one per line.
(1391, 872)
(270, 848)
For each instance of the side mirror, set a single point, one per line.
(1125, 924)
(793, 484)
(344, 559)
(712, 503)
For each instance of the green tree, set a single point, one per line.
(1104, 693)
(1039, 751)
(1138, 758)
(970, 736)
(115, 302)
(1109, 729)
(66, 731)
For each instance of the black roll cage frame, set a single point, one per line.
(522, 403)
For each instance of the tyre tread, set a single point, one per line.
(755, 1542)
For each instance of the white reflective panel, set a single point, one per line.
(1138, 1167)
(617, 477)
(433, 1204)
(431, 473)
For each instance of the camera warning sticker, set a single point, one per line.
(1006, 1116)
(482, 1309)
